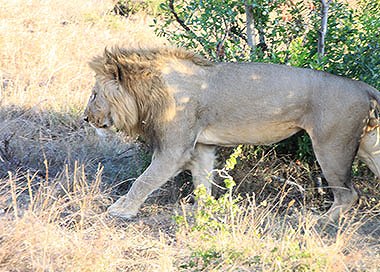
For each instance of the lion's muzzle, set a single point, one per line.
(97, 120)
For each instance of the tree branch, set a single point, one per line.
(179, 20)
(185, 27)
(323, 30)
(250, 25)
(220, 44)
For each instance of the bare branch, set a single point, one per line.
(250, 25)
(185, 27)
(220, 45)
(262, 44)
(323, 30)
(179, 20)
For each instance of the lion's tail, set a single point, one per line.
(374, 114)
(374, 95)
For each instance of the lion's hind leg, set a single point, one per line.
(335, 156)
(202, 165)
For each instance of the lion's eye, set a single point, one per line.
(93, 96)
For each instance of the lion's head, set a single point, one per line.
(109, 105)
(130, 93)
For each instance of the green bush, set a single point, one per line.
(206, 21)
(352, 43)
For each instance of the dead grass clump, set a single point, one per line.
(33, 244)
(62, 228)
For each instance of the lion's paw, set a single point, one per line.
(120, 212)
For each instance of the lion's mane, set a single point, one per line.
(143, 100)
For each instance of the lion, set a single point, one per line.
(185, 106)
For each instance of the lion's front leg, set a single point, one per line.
(163, 166)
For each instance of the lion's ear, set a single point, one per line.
(114, 67)
(119, 74)
(116, 72)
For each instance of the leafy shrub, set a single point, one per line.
(213, 214)
(202, 26)
(352, 43)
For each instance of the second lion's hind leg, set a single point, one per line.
(369, 150)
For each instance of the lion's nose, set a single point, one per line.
(85, 118)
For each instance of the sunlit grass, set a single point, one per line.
(46, 45)
(64, 229)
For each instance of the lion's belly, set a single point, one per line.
(260, 135)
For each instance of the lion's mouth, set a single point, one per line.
(105, 125)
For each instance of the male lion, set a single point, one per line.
(185, 105)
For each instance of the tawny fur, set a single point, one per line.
(185, 105)
(147, 102)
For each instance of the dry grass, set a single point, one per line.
(57, 178)
(63, 229)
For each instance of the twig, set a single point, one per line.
(185, 27)
(220, 44)
(289, 182)
(179, 20)
(323, 30)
